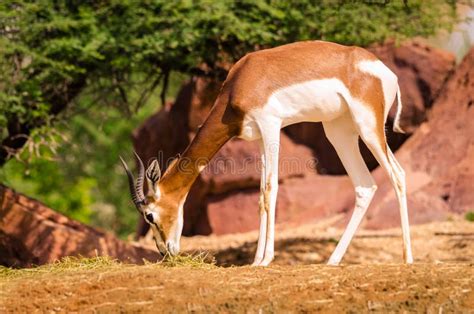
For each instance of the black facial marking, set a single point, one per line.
(149, 217)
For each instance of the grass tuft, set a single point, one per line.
(195, 260)
(71, 263)
(65, 264)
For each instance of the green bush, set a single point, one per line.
(469, 216)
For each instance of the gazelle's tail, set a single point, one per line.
(396, 122)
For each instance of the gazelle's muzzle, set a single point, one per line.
(172, 248)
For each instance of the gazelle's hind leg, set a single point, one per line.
(401, 191)
(375, 140)
(344, 137)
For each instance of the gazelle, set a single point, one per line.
(347, 88)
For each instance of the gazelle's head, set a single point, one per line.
(164, 213)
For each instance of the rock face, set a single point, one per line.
(33, 234)
(438, 158)
(421, 70)
(300, 200)
(224, 198)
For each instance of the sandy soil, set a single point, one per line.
(450, 241)
(422, 287)
(371, 279)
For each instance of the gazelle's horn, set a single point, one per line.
(141, 178)
(131, 184)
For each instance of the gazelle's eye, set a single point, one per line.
(149, 217)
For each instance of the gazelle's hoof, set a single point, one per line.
(262, 262)
(332, 263)
(407, 257)
(266, 261)
(257, 261)
(268, 258)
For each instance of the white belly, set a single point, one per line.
(314, 101)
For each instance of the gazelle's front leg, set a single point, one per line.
(270, 131)
(263, 213)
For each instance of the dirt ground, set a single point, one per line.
(449, 241)
(371, 278)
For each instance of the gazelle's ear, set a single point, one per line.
(153, 175)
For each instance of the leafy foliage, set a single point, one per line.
(90, 71)
(83, 180)
(469, 216)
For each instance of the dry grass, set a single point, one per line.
(75, 264)
(195, 260)
(66, 264)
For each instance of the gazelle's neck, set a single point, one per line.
(221, 125)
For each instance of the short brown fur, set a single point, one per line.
(259, 74)
(249, 84)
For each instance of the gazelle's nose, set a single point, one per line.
(173, 249)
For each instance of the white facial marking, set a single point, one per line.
(174, 236)
(157, 192)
